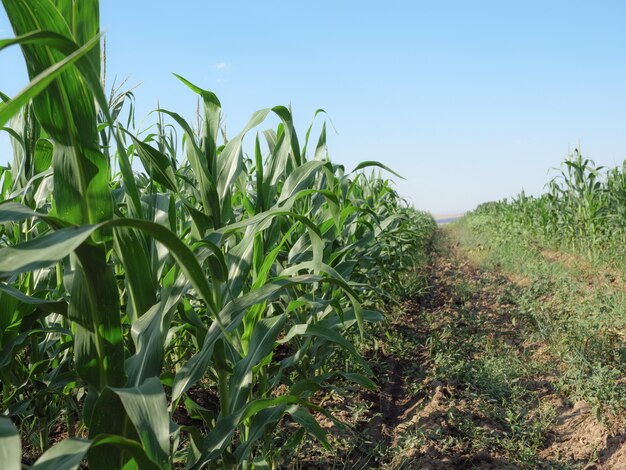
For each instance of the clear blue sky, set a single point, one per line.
(470, 101)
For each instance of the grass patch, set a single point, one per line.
(571, 305)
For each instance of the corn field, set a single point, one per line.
(139, 269)
(583, 210)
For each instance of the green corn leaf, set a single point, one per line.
(239, 260)
(134, 413)
(10, 445)
(308, 132)
(360, 379)
(299, 179)
(292, 138)
(158, 166)
(42, 251)
(229, 162)
(320, 149)
(84, 19)
(146, 407)
(41, 81)
(260, 179)
(130, 447)
(94, 307)
(70, 453)
(212, 116)
(45, 250)
(261, 344)
(13, 212)
(148, 334)
(308, 422)
(51, 306)
(362, 165)
(216, 261)
(44, 150)
(218, 438)
(131, 252)
(66, 455)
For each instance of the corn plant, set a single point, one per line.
(582, 210)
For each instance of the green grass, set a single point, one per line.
(475, 382)
(570, 307)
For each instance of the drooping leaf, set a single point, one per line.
(362, 165)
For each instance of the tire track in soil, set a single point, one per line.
(401, 411)
(395, 406)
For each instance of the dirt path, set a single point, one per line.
(465, 383)
(472, 357)
(489, 395)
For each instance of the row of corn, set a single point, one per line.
(582, 210)
(170, 297)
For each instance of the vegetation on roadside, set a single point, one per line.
(191, 313)
(583, 211)
(567, 247)
(577, 307)
(565, 252)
